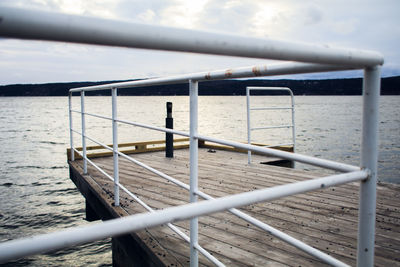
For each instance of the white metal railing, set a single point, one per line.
(118, 186)
(29, 24)
(116, 154)
(79, 235)
(249, 109)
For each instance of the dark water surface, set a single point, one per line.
(36, 195)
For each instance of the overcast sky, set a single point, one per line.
(363, 24)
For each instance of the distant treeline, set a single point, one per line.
(389, 86)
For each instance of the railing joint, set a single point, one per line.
(369, 173)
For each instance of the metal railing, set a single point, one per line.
(292, 126)
(192, 188)
(28, 24)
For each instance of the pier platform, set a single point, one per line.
(325, 219)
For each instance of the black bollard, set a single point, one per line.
(169, 138)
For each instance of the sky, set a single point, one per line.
(360, 24)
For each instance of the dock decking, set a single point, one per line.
(325, 219)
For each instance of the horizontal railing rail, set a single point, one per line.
(34, 24)
(232, 73)
(315, 161)
(30, 24)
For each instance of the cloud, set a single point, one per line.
(313, 15)
(360, 24)
(182, 13)
(97, 8)
(147, 16)
(227, 16)
(345, 27)
(141, 11)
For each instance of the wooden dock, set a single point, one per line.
(325, 219)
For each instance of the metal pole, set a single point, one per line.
(83, 132)
(293, 128)
(193, 91)
(169, 137)
(243, 72)
(293, 122)
(71, 137)
(248, 124)
(115, 145)
(369, 158)
(33, 24)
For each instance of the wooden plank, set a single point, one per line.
(138, 149)
(144, 143)
(142, 147)
(233, 149)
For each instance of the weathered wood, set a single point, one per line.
(156, 145)
(325, 219)
(325, 235)
(147, 251)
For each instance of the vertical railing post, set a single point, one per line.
(193, 92)
(83, 132)
(248, 124)
(293, 165)
(71, 137)
(115, 145)
(369, 158)
(293, 121)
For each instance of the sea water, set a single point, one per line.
(37, 196)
